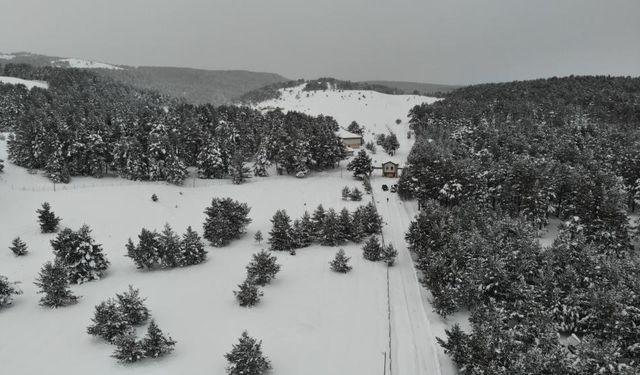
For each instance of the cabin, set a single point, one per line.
(390, 169)
(350, 140)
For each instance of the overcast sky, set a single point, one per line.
(445, 41)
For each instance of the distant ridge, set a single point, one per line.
(422, 88)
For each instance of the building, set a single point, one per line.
(350, 140)
(390, 169)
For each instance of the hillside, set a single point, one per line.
(411, 87)
(196, 86)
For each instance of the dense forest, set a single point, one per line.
(491, 165)
(89, 125)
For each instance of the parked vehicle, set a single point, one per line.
(385, 187)
(394, 188)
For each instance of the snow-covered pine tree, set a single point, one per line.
(109, 321)
(191, 248)
(209, 161)
(169, 248)
(358, 228)
(7, 291)
(175, 171)
(307, 230)
(239, 172)
(54, 284)
(262, 268)
(355, 128)
(389, 254)
(248, 293)
(18, 247)
(132, 306)
(47, 219)
(82, 257)
(372, 250)
(226, 220)
(317, 218)
(262, 163)
(301, 237)
(355, 195)
(155, 344)
(340, 263)
(373, 221)
(128, 348)
(280, 236)
(1, 165)
(246, 357)
(56, 169)
(360, 165)
(258, 237)
(345, 193)
(390, 144)
(345, 224)
(330, 235)
(147, 253)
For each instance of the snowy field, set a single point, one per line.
(84, 64)
(311, 320)
(28, 83)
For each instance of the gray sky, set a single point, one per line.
(444, 41)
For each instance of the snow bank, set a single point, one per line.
(85, 64)
(18, 81)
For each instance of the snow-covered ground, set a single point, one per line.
(84, 64)
(28, 83)
(311, 320)
(7, 56)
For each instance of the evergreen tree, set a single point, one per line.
(175, 171)
(356, 194)
(109, 321)
(345, 225)
(47, 218)
(7, 291)
(340, 263)
(389, 254)
(262, 268)
(209, 161)
(82, 257)
(226, 220)
(1, 165)
(258, 237)
(280, 236)
(132, 306)
(147, 253)
(169, 248)
(57, 170)
(262, 163)
(54, 284)
(248, 293)
(345, 193)
(300, 235)
(331, 234)
(246, 357)
(372, 250)
(372, 220)
(239, 172)
(358, 227)
(367, 185)
(390, 144)
(360, 165)
(18, 247)
(317, 219)
(155, 344)
(191, 248)
(306, 234)
(355, 128)
(128, 348)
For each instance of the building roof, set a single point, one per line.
(390, 162)
(345, 134)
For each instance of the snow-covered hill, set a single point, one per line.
(83, 64)
(28, 83)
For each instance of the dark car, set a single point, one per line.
(394, 188)
(385, 187)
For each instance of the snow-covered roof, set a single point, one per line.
(390, 162)
(342, 133)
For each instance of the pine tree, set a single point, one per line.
(355, 128)
(358, 227)
(280, 236)
(54, 284)
(345, 193)
(345, 225)
(147, 253)
(355, 195)
(372, 220)
(258, 237)
(317, 219)
(132, 306)
(248, 293)
(191, 248)
(367, 185)
(330, 235)
(128, 348)
(390, 144)
(246, 357)
(340, 263)
(261, 164)
(169, 248)
(47, 218)
(1, 165)
(56, 169)
(239, 172)
(360, 165)
(226, 220)
(175, 171)
(389, 254)
(306, 236)
(209, 161)
(109, 321)
(7, 291)
(262, 268)
(155, 344)
(18, 247)
(78, 252)
(372, 250)
(300, 235)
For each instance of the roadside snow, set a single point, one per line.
(85, 64)
(28, 83)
